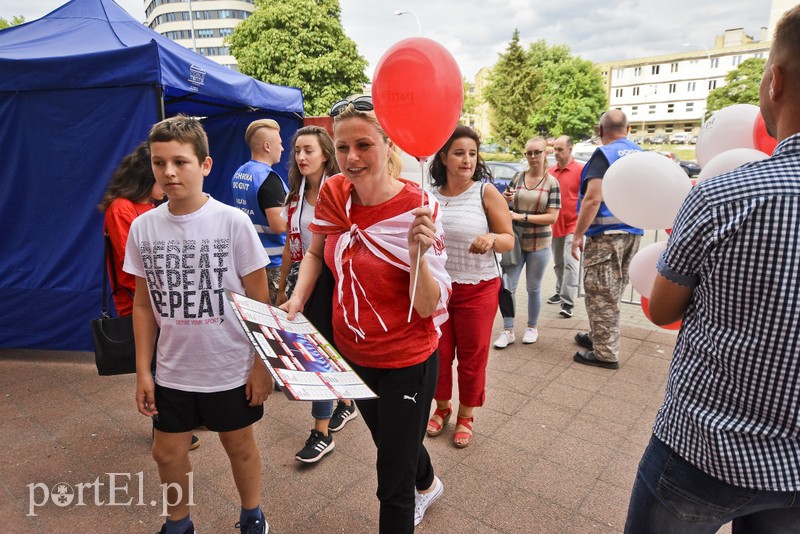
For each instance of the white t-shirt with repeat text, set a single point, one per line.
(187, 261)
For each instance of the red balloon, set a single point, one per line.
(646, 309)
(418, 94)
(761, 139)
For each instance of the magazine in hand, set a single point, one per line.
(303, 363)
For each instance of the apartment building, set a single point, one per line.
(199, 25)
(667, 94)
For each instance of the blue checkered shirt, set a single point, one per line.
(732, 404)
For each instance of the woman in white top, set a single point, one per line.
(314, 160)
(477, 224)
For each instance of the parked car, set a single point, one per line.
(657, 139)
(502, 172)
(680, 138)
(691, 167)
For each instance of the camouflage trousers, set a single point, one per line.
(606, 259)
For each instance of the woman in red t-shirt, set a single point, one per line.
(132, 191)
(370, 230)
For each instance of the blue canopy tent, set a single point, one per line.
(80, 88)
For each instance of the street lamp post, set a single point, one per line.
(419, 26)
(708, 80)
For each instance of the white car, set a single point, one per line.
(680, 138)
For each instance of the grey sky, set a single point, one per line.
(476, 31)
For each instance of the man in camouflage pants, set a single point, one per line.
(610, 246)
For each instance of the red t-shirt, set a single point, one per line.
(387, 289)
(569, 181)
(119, 216)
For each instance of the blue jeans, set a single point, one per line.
(322, 409)
(671, 496)
(535, 264)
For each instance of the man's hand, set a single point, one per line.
(577, 247)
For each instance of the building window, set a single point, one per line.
(224, 32)
(620, 73)
(637, 71)
(688, 127)
(205, 33)
(673, 67)
(736, 60)
(634, 110)
(635, 91)
(712, 84)
(651, 129)
(652, 109)
(691, 86)
(673, 87)
(618, 93)
(654, 69)
(715, 63)
(669, 127)
(670, 108)
(690, 107)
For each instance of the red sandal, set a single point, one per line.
(434, 428)
(462, 439)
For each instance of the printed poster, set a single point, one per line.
(303, 363)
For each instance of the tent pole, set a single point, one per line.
(160, 97)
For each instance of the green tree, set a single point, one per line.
(512, 92)
(300, 43)
(470, 99)
(573, 96)
(14, 22)
(741, 86)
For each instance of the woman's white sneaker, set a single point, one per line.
(423, 500)
(505, 339)
(531, 335)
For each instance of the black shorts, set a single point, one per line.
(222, 411)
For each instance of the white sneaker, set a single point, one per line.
(531, 335)
(505, 339)
(423, 500)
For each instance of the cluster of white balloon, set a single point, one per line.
(646, 189)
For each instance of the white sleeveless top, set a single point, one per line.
(463, 219)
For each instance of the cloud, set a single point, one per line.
(476, 31)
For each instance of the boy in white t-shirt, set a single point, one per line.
(183, 254)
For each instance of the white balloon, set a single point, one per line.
(729, 160)
(728, 128)
(645, 190)
(643, 271)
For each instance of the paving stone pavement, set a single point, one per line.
(555, 450)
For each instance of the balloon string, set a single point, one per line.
(419, 245)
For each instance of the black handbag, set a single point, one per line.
(114, 349)
(505, 298)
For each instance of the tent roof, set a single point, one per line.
(96, 43)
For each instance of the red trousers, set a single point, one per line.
(467, 335)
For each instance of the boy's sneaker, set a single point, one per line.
(566, 311)
(505, 339)
(341, 415)
(423, 500)
(259, 526)
(317, 446)
(531, 335)
(555, 299)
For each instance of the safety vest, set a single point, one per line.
(246, 182)
(605, 221)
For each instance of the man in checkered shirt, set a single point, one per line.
(726, 442)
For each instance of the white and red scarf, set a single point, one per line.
(386, 239)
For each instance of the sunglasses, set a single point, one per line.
(360, 103)
(534, 153)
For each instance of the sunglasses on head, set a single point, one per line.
(532, 153)
(360, 103)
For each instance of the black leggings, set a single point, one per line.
(397, 421)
